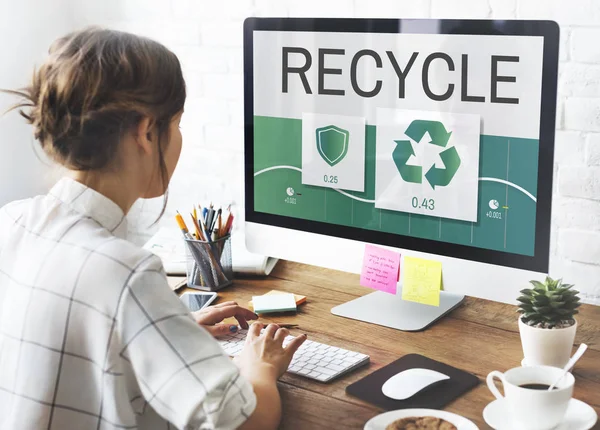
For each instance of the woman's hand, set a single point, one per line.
(264, 355)
(210, 318)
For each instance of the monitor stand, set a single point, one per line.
(391, 311)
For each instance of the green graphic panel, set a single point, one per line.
(456, 231)
(488, 232)
(426, 227)
(395, 222)
(523, 163)
(340, 205)
(278, 142)
(506, 215)
(520, 222)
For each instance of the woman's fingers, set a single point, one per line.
(271, 330)
(220, 305)
(294, 344)
(242, 321)
(281, 335)
(221, 329)
(254, 330)
(216, 315)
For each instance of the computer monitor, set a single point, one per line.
(431, 137)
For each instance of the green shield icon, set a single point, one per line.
(332, 143)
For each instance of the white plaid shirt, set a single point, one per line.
(91, 336)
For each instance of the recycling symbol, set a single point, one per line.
(440, 137)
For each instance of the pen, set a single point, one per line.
(287, 325)
(209, 217)
(218, 222)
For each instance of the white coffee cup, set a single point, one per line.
(529, 408)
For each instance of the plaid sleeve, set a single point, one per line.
(181, 370)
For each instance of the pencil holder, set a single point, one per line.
(208, 264)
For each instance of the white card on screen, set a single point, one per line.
(409, 382)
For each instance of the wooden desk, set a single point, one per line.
(479, 337)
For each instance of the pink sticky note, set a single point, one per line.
(381, 269)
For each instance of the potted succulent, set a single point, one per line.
(547, 324)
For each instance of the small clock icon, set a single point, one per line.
(494, 204)
(290, 191)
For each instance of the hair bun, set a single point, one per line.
(94, 86)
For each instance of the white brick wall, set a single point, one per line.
(207, 36)
(584, 45)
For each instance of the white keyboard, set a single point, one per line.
(313, 360)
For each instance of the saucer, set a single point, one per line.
(579, 416)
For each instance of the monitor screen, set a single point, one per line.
(430, 135)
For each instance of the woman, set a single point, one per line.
(90, 334)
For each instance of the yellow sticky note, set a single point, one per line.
(422, 280)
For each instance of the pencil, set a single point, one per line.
(228, 227)
(182, 225)
(226, 223)
(197, 227)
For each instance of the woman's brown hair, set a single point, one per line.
(96, 85)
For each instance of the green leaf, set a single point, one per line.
(527, 291)
(526, 308)
(524, 299)
(538, 284)
(542, 300)
(557, 305)
(542, 309)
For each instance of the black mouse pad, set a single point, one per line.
(435, 396)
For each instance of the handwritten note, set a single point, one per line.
(380, 269)
(422, 281)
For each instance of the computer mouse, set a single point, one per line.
(409, 382)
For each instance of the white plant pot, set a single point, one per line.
(549, 347)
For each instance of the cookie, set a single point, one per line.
(420, 423)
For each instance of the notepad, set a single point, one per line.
(422, 281)
(299, 299)
(274, 303)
